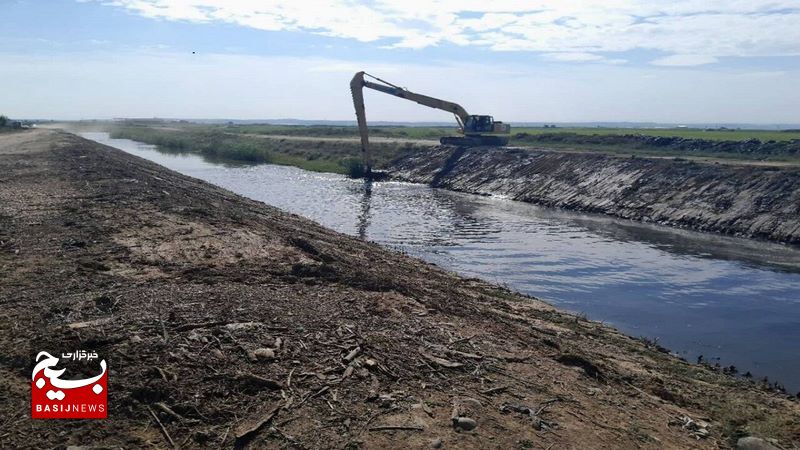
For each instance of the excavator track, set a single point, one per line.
(474, 141)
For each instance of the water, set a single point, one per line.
(699, 294)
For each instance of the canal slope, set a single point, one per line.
(741, 200)
(225, 321)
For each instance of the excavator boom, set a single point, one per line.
(475, 128)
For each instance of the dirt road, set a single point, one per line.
(226, 322)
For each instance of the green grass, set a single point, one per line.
(688, 133)
(217, 144)
(437, 132)
(207, 142)
(776, 146)
(426, 133)
(8, 130)
(263, 144)
(714, 144)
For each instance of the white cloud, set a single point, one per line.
(714, 28)
(684, 60)
(574, 56)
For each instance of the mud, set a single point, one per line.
(741, 200)
(228, 323)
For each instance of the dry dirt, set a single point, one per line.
(181, 282)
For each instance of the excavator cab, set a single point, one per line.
(480, 130)
(479, 124)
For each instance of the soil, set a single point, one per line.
(741, 200)
(229, 323)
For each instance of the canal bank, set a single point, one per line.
(231, 321)
(736, 199)
(728, 301)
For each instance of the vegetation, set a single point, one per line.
(218, 144)
(7, 125)
(281, 144)
(435, 133)
(674, 146)
(210, 143)
(686, 133)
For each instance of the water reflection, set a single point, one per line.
(363, 218)
(698, 293)
(683, 242)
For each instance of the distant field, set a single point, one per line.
(713, 145)
(689, 133)
(317, 147)
(436, 132)
(341, 131)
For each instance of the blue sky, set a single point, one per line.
(613, 60)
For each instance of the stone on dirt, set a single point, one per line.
(754, 443)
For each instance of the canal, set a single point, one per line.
(733, 301)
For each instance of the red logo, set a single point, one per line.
(53, 397)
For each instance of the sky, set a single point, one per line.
(679, 61)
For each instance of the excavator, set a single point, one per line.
(476, 130)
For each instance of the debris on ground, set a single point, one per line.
(226, 322)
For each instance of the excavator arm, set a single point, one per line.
(357, 85)
(477, 130)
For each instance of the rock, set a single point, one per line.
(436, 443)
(241, 325)
(218, 353)
(754, 443)
(264, 353)
(90, 323)
(464, 423)
(135, 339)
(193, 336)
(278, 343)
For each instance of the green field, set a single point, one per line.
(337, 148)
(688, 133)
(218, 144)
(436, 132)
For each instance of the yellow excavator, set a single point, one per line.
(476, 130)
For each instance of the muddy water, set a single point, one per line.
(698, 294)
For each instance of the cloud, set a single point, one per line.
(684, 60)
(574, 57)
(713, 28)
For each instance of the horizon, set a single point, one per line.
(288, 121)
(685, 63)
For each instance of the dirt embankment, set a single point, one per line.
(750, 148)
(226, 322)
(762, 202)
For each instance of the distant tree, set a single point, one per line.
(3, 120)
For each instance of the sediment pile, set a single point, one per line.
(741, 200)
